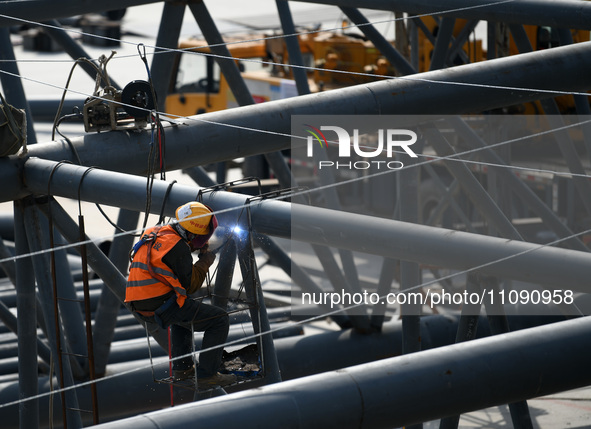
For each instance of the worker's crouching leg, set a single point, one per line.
(214, 323)
(214, 336)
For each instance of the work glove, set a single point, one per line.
(199, 270)
(207, 258)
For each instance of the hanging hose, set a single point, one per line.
(87, 311)
(55, 305)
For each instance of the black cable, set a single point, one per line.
(153, 155)
(68, 141)
(161, 136)
(101, 75)
(149, 181)
(168, 189)
(75, 152)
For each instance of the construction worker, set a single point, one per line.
(161, 278)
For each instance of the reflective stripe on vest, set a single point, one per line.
(141, 284)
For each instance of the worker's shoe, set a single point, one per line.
(216, 380)
(183, 374)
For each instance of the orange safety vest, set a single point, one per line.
(153, 278)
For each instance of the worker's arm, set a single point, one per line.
(180, 261)
(200, 269)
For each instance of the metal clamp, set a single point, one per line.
(226, 185)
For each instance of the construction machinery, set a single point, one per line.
(198, 86)
(334, 59)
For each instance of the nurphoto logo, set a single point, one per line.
(384, 143)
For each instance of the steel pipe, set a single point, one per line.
(223, 280)
(566, 14)
(169, 31)
(220, 49)
(108, 305)
(473, 188)
(70, 308)
(12, 84)
(385, 47)
(8, 266)
(26, 324)
(260, 319)
(517, 185)
(404, 390)
(293, 47)
(398, 240)
(444, 38)
(200, 141)
(42, 268)
(131, 393)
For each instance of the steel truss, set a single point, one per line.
(528, 360)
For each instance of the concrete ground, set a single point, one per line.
(570, 409)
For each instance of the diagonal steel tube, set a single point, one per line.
(396, 58)
(477, 194)
(388, 238)
(100, 264)
(423, 386)
(260, 319)
(12, 85)
(293, 47)
(105, 318)
(218, 47)
(26, 324)
(444, 38)
(42, 268)
(168, 37)
(455, 50)
(447, 201)
(517, 185)
(202, 140)
(566, 13)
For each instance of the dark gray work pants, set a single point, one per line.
(212, 321)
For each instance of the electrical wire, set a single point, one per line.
(295, 323)
(337, 311)
(489, 164)
(360, 74)
(336, 28)
(243, 128)
(101, 75)
(287, 135)
(159, 49)
(430, 159)
(196, 119)
(418, 286)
